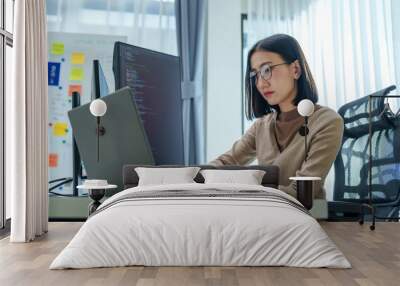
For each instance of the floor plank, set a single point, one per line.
(374, 255)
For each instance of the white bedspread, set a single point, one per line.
(200, 231)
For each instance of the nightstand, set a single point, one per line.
(96, 193)
(305, 190)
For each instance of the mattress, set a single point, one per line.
(201, 225)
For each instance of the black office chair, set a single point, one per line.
(351, 164)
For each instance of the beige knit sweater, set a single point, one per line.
(259, 142)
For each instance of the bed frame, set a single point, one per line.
(271, 178)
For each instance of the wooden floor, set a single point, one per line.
(374, 255)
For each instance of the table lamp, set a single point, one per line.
(305, 108)
(305, 184)
(98, 108)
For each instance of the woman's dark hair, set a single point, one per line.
(289, 49)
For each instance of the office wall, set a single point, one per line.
(223, 101)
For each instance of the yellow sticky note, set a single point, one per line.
(76, 74)
(78, 58)
(60, 129)
(57, 48)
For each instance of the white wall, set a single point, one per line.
(223, 102)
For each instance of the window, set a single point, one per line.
(6, 44)
(9, 13)
(8, 86)
(245, 49)
(80, 32)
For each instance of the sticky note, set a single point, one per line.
(57, 48)
(77, 58)
(76, 74)
(53, 76)
(60, 129)
(53, 160)
(74, 87)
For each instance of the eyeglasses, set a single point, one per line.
(265, 72)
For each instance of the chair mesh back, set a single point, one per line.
(351, 164)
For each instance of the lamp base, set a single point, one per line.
(96, 195)
(305, 193)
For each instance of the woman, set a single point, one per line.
(277, 79)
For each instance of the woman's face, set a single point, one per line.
(280, 87)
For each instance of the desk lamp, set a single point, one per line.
(305, 184)
(98, 108)
(305, 108)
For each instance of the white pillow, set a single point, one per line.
(162, 176)
(248, 177)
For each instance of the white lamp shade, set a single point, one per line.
(305, 107)
(98, 107)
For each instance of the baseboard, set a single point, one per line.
(5, 231)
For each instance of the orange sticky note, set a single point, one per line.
(53, 160)
(77, 58)
(74, 87)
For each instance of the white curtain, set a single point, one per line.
(27, 116)
(352, 46)
(146, 23)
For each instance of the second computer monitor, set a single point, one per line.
(155, 79)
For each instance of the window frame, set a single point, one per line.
(6, 39)
(243, 49)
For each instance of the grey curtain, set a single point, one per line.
(190, 26)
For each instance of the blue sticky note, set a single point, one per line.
(54, 73)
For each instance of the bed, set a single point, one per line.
(201, 224)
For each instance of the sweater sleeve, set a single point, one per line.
(322, 152)
(243, 150)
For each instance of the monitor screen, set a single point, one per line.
(155, 79)
(124, 141)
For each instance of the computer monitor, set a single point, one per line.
(155, 79)
(124, 141)
(99, 89)
(99, 82)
